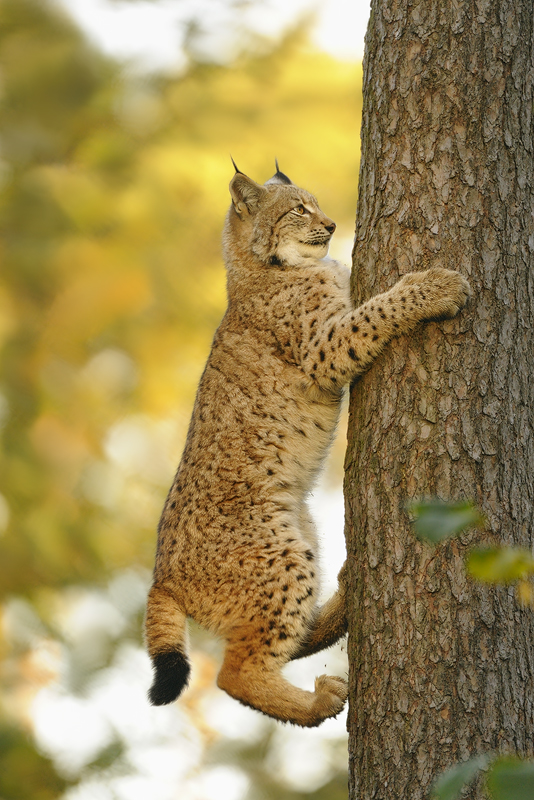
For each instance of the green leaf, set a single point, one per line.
(511, 779)
(451, 782)
(436, 520)
(500, 564)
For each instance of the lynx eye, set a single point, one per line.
(300, 210)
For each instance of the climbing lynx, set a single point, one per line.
(237, 548)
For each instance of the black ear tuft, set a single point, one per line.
(236, 167)
(279, 177)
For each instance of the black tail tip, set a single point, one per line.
(171, 677)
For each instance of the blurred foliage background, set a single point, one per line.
(113, 191)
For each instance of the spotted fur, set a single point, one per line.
(237, 547)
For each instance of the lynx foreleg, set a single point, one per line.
(347, 344)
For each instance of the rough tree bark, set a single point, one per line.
(442, 668)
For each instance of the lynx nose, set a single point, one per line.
(330, 226)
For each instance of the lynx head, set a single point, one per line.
(274, 225)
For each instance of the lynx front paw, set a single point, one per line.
(436, 293)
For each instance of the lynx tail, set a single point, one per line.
(166, 635)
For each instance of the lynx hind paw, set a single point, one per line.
(332, 693)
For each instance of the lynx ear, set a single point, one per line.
(246, 194)
(279, 177)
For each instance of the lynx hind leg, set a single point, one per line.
(258, 649)
(329, 622)
(257, 681)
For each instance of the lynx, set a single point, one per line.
(237, 547)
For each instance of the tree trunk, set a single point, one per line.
(442, 668)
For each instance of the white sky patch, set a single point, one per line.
(220, 782)
(161, 745)
(302, 760)
(328, 511)
(341, 28)
(139, 445)
(69, 729)
(231, 719)
(151, 34)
